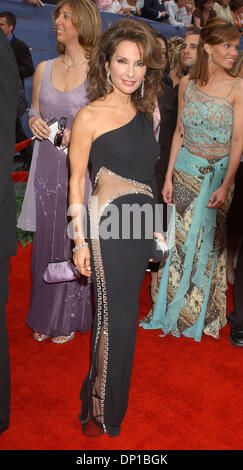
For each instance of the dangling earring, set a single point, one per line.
(142, 88)
(108, 78)
(209, 58)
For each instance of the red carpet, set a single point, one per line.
(184, 395)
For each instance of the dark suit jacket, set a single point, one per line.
(21, 100)
(23, 58)
(168, 104)
(9, 85)
(152, 8)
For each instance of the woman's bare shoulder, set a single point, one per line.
(91, 114)
(39, 72)
(239, 83)
(237, 95)
(87, 114)
(41, 67)
(88, 119)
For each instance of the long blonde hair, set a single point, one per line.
(86, 18)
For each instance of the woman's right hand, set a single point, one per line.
(81, 259)
(39, 128)
(167, 191)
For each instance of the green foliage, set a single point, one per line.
(24, 237)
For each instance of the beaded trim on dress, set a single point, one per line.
(109, 186)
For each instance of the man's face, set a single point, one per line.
(189, 50)
(7, 29)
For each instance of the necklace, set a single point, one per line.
(72, 65)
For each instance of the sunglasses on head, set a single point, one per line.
(59, 135)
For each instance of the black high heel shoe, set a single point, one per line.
(93, 428)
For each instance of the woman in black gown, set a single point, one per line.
(115, 132)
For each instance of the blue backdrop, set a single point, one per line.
(34, 26)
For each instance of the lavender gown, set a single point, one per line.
(56, 309)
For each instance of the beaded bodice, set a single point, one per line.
(207, 122)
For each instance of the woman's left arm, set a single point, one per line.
(218, 198)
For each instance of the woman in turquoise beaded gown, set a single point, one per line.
(205, 155)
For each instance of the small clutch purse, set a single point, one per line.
(61, 271)
(160, 250)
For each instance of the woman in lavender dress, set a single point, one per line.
(59, 90)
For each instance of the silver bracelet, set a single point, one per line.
(79, 246)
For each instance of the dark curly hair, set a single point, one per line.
(140, 33)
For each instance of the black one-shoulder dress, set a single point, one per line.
(120, 241)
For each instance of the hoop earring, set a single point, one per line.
(142, 88)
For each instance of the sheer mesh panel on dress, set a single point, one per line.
(108, 187)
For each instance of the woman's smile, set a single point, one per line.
(127, 68)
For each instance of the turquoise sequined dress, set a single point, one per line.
(191, 298)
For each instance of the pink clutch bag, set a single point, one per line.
(61, 271)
